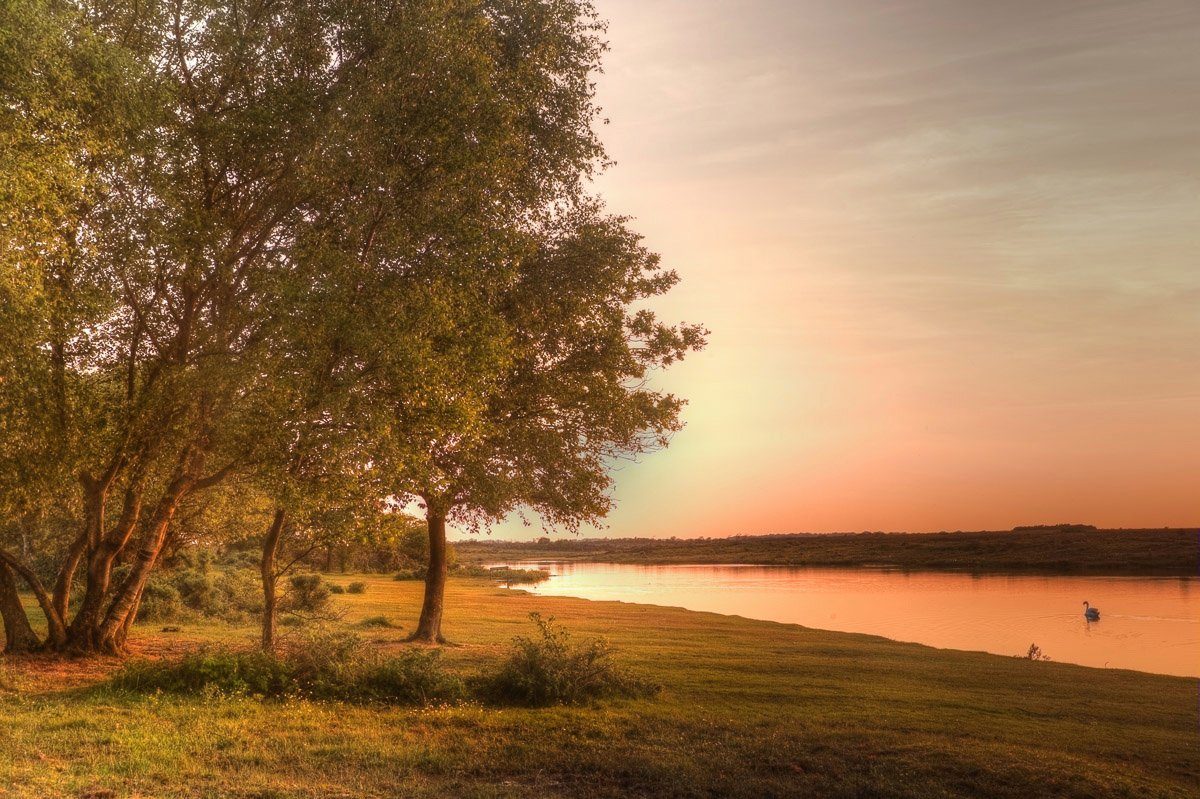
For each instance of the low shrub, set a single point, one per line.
(336, 589)
(207, 671)
(161, 601)
(518, 576)
(195, 592)
(356, 588)
(547, 669)
(324, 665)
(414, 678)
(378, 622)
(307, 593)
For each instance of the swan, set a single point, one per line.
(1090, 613)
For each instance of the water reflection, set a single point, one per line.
(1149, 624)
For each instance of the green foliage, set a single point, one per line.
(503, 574)
(212, 670)
(233, 244)
(320, 666)
(356, 588)
(547, 669)
(378, 622)
(307, 593)
(233, 595)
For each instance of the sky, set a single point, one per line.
(949, 253)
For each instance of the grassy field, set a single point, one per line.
(1163, 552)
(750, 709)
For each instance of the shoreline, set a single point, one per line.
(1168, 552)
(831, 713)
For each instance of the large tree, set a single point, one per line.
(211, 176)
(572, 395)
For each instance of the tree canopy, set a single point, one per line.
(333, 253)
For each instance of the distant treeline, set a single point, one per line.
(1064, 549)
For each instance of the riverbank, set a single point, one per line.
(1075, 551)
(749, 709)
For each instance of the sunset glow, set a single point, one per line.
(948, 254)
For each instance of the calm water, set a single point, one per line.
(1148, 624)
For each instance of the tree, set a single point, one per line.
(572, 396)
(211, 176)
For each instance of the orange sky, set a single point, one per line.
(949, 253)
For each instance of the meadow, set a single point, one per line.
(748, 709)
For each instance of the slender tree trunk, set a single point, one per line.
(56, 638)
(18, 635)
(429, 628)
(270, 578)
(66, 575)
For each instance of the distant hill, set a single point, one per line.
(1056, 549)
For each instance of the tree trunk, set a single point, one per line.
(429, 628)
(102, 551)
(109, 635)
(18, 635)
(66, 575)
(56, 631)
(270, 578)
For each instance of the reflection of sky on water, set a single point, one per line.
(1149, 624)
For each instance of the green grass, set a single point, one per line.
(750, 709)
(1063, 550)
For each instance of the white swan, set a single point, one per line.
(1090, 613)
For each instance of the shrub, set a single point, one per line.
(191, 592)
(517, 576)
(377, 621)
(161, 601)
(209, 670)
(547, 669)
(324, 666)
(308, 593)
(415, 677)
(356, 588)
(336, 589)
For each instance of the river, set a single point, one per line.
(1147, 624)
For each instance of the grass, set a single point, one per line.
(750, 709)
(1071, 549)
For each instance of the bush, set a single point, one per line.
(161, 601)
(336, 589)
(415, 677)
(547, 669)
(308, 593)
(209, 670)
(188, 593)
(378, 621)
(323, 666)
(500, 573)
(356, 588)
